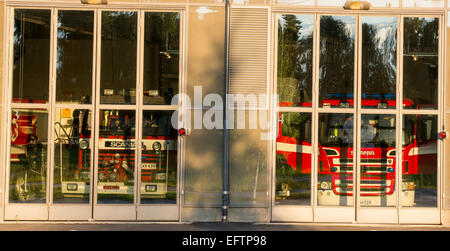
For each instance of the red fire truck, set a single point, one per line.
(377, 154)
(116, 153)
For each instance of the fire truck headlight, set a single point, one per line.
(344, 105)
(161, 176)
(108, 92)
(156, 146)
(407, 185)
(151, 188)
(84, 144)
(382, 105)
(326, 185)
(72, 187)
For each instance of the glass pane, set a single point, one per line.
(419, 167)
(420, 63)
(119, 48)
(161, 57)
(336, 72)
(31, 56)
(293, 159)
(295, 53)
(116, 156)
(28, 163)
(335, 172)
(72, 157)
(74, 57)
(379, 62)
(424, 3)
(159, 158)
(377, 160)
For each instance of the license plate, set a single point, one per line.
(149, 166)
(366, 203)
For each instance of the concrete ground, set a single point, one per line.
(133, 226)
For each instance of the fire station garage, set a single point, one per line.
(225, 111)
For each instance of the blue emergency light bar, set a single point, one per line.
(339, 95)
(378, 96)
(364, 96)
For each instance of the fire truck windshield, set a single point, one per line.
(336, 130)
(157, 124)
(378, 130)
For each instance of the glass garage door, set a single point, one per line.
(358, 119)
(91, 111)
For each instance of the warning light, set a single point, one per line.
(94, 1)
(357, 5)
(182, 131)
(442, 135)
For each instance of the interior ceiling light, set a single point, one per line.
(357, 5)
(94, 1)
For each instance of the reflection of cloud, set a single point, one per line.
(383, 34)
(349, 30)
(201, 11)
(381, 37)
(306, 31)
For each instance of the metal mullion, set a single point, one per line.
(315, 114)
(399, 119)
(8, 108)
(399, 109)
(3, 108)
(421, 112)
(340, 11)
(357, 123)
(29, 106)
(379, 111)
(160, 107)
(295, 109)
(117, 107)
(52, 97)
(181, 88)
(336, 110)
(73, 106)
(93, 139)
(139, 104)
(96, 112)
(183, 110)
(274, 108)
(441, 106)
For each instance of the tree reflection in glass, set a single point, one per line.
(420, 62)
(295, 53)
(379, 59)
(118, 57)
(336, 69)
(74, 56)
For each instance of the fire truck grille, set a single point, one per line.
(383, 161)
(369, 185)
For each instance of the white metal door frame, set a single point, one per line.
(397, 214)
(51, 211)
